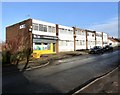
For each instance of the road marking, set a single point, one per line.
(94, 81)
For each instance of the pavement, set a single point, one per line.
(45, 60)
(106, 84)
(61, 78)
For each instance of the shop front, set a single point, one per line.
(43, 45)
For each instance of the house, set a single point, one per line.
(113, 41)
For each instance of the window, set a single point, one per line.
(92, 35)
(83, 33)
(45, 28)
(63, 43)
(41, 27)
(69, 31)
(80, 42)
(49, 29)
(53, 29)
(45, 43)
(87, 34)
(99, 35)
(78, 32)
(37, 43)
(48, 46)
(62, 30)
(83, 42)
(35, 26)
(77, 42)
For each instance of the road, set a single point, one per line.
(61, 78)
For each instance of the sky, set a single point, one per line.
(99, 16)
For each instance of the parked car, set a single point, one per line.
(96, 50)
(107, 48)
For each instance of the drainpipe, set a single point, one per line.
(102, 39)
(57, 41)
(95, 39)
(74, 36)
(86, 40)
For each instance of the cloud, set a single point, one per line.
(110, 27)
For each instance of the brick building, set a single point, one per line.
(45, 37)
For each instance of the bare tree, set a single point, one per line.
(20, 48)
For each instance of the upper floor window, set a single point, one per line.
(49, 28)
(78, 32)
(35, 26)
(44, 28)
(53, 29)
(92, 35)
(41, 27)
(99, 35)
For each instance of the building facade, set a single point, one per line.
(113, 41)
(80, 39)
(45, 37)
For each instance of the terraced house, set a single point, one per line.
(46, 38)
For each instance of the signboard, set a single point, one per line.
(22, 26)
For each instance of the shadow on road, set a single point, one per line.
(17, 83)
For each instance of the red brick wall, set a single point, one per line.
(14, 32)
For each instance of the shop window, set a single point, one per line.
(44, 43)
(46, 46)
(37, 46)
(37, 43)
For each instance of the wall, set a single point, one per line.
(42, 32)
(99, 39)
(80, 39)
(91, 39)
(66, 38)
(20, 31)
(105, 39)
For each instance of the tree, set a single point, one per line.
(19, 48)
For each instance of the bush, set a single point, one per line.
(6, 56)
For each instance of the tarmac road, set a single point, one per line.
(61, 78)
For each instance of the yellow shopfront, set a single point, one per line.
(43, 45)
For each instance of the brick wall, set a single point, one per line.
(19, 33)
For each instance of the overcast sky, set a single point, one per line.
(99, 16)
